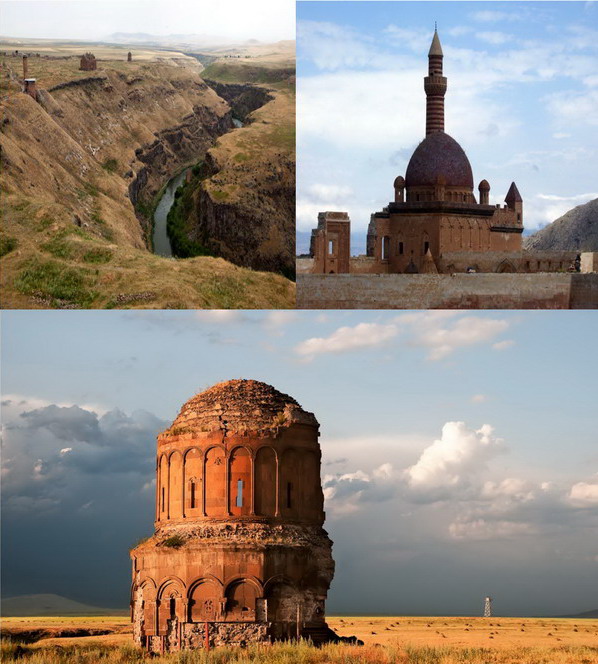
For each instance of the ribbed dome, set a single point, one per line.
(439, 155)
(238, 406)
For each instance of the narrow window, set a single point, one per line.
(518, 217)
(330, 247)
(162, 498)
(417, 197)
(239, 493)
(401, 248)
(289, 492)
(192, 487)
(172, 608)
(426, 247)
(385, 247)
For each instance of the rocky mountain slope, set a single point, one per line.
(81, 168)
(576, 230)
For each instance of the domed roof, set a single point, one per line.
(399, 181)
(484, 185)
(439, 155)
(238, 406)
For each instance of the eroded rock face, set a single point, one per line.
(239, 544)
(242, 98)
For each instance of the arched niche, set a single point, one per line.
(175, 486)
(265, 482)
(193, 482)
(312, 497)
(170, 604)
(241, 596)
(204, 601)
(215, 482)
(290, 490)
(282, 600)
(240, 482)
(163, 487)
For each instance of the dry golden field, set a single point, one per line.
(388, 640)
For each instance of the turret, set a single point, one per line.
(515, 202)
(399, 186)
(435, 85)
(484, 189)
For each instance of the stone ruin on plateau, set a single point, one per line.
(239, 554)
(88, 62)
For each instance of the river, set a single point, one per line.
(161, 241)
(160, 237)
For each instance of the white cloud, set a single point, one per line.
(453, 462)
(363, 335)
(220, 316)
(479, 398)
(503, 345)
(345, 492)
(467, 331)
(574, 108)
(489, 16)
(65, 450)
(584, 494)
(494, 38)
(274, 320)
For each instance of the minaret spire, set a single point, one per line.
(435, 86)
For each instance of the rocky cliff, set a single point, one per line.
(576, 230)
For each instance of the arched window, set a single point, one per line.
(401, 248)
(192, 495)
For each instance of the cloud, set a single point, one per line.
(275, 320)
(452, 463)
(584, 494)
(39, 471)
(480, 529)
(489, 16)
(220, 316)
(440, 332)
(494, 38)
(479, 398)
(503, 345)
(363, 335)
(442, 340)
(344, 493)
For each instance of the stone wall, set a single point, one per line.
(458, 291)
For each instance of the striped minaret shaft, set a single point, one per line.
(435, 86)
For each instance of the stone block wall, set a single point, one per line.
(458, 291)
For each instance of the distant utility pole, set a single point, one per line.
(488, 607)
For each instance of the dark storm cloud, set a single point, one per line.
(77, 491)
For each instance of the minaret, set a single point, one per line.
(435, 87)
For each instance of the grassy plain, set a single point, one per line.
(387, 640)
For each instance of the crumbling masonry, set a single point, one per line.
(239, 554)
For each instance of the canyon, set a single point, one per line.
(85, 163)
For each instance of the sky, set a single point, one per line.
(460, 453)
(265, 20)
(522, 101)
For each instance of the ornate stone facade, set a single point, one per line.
(434, 211)
(239, 553)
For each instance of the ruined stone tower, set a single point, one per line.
(88, 62)
(239, 554)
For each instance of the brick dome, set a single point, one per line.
(439, 155)
(238, 406)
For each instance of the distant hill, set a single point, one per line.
(166, 40)
(585, 614)
(52, 605)
(576, 230)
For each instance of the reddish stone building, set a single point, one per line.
(88, 62)
(239, 553)
(434, 212)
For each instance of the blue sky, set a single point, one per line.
(459, 449)
(522, 100)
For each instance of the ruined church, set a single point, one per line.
(239, 554)
(435, 224)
